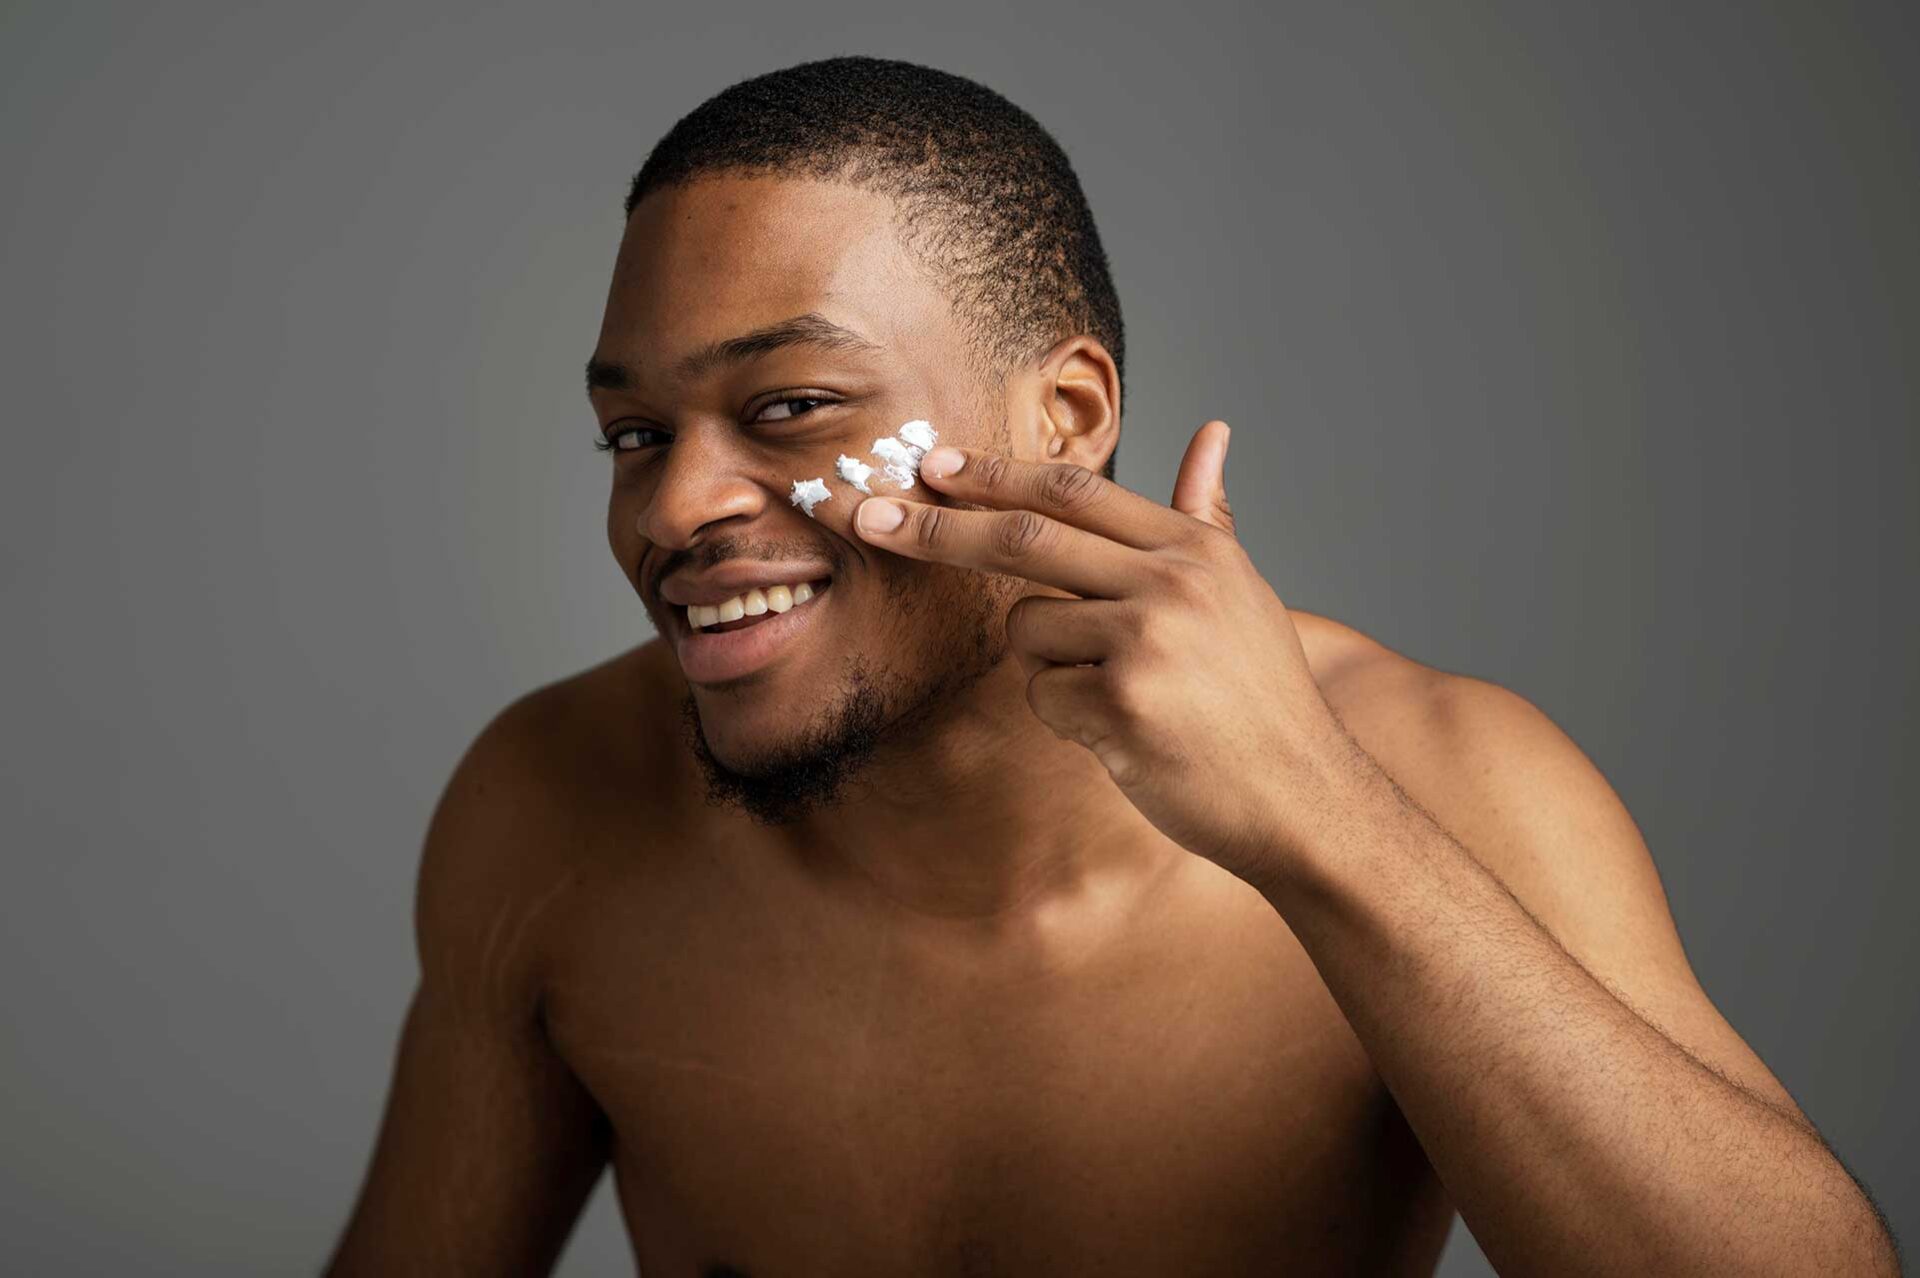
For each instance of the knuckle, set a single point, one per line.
(931, 528)
(1171, 577)
(1019, 533)
(1126, 699)
(1146, 630)
(1135, 623)
(1068, 487)
(989, 472)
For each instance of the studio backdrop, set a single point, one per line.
(1569, 346)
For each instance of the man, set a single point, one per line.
(992, 875)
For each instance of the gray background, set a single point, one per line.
(1570, 349)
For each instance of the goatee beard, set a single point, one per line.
(807, 774)
(875, 709)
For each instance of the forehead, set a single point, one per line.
(724, 255)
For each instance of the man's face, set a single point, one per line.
(707, 451)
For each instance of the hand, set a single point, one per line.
(1177, 665)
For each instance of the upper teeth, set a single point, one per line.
(751, 604)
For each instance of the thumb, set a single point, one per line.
(1201, 488)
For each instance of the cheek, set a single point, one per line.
(927, 609)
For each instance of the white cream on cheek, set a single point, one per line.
(899, 456)
(854, 471)
(902, 452)
(917, 434)
(808, 493)
(897, 460)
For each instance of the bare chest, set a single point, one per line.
(796, 1094)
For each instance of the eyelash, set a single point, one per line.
(604, 443)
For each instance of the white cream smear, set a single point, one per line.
(918, 434)
(808, 493)
(901, 452)
(854, 471)
(899, 456)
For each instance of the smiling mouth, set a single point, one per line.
(752, 607)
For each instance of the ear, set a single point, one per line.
(1077, 389)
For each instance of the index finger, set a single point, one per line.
(1021, 543)
(1064, 491)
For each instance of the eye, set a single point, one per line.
(629, 439)
(788, 403)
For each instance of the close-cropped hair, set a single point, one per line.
(985, 196)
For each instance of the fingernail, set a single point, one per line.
(942, 461)
(879, 515)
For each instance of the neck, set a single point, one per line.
(981, 812)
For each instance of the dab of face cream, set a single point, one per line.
(808, 493)
(900, 453)
(854, 471)
(917, 434)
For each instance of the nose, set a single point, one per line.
(703, 480)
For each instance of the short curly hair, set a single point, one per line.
(986, 196)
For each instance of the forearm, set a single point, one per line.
(1573, 1136)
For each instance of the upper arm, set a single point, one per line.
(488, 1146)
(1529, 805)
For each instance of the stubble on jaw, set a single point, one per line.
(873, 708)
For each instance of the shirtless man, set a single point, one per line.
(1040, 896)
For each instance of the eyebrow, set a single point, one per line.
(811, 329)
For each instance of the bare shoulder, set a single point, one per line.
(1378, 693)
(504, 842)
(490, 1143)
(1503, 778)
(1362, 678)
(536, 753)
(1514, 790)
(1455, 738)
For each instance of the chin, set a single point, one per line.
(748, 739)
(776, 770)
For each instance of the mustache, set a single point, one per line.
(719, 550)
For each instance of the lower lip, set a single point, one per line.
(729, 654)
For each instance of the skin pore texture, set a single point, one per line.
(848, 955)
